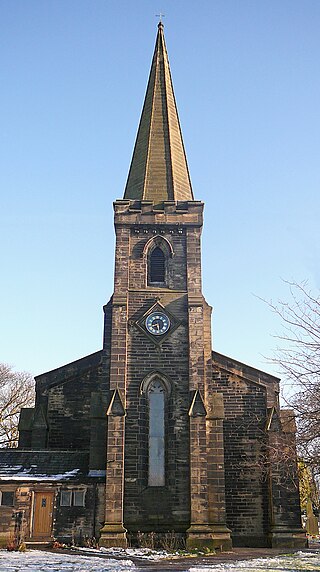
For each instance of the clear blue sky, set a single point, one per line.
(73, 78)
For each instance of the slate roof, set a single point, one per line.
(70, 370)
(48, 465)
(159, 170)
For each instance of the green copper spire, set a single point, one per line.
(159, 170)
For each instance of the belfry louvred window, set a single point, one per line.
(157, 265)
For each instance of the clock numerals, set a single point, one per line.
(157, 323)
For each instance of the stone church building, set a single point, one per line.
(155, 432)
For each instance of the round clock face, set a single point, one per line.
(157, 323)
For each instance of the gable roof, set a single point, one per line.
(69, 371)
(244, 370)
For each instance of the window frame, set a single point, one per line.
(2, 493)
(81, 492)
(66, 492)
(72, 496)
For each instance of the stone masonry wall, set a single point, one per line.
(157, 508)
(68, 412)
(135, 354)
(76, 523)
(142, 504)
(244, 445)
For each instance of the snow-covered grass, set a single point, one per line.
(39, 561)
(141, 553)
(285, 563)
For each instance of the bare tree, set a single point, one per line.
(298, 356)
(16, 391)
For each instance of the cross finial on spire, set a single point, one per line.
(160, 16)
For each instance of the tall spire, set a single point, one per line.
(159, 170)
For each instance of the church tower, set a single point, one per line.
(165, 459)
(155, 433)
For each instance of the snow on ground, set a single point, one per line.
(285, 563)
(141, 553)
(39, 561)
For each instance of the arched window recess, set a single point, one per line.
(157, 251)
(156, 388)
(150, 378)
(160, 241)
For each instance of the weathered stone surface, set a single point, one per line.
(217, 420)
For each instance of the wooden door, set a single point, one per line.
(42, 515)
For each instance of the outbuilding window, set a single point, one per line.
(65, 498)
(72, 498)
(6, 498)
(78, 498)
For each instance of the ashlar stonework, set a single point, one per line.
(155, 433)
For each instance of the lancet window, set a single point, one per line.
(158, 252)
(156, 400)
(157, 266)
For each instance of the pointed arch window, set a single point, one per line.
(157, 266)
(156, 401)
(157, 252)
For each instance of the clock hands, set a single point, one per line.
(157, 323)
